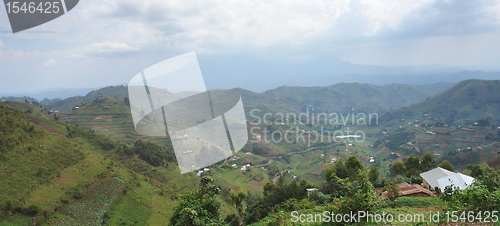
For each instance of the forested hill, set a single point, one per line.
(464, 103)
(340, 98)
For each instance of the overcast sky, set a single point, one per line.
(107, 42)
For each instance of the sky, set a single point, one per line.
(107, 42)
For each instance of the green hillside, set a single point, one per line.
(88, 164)
(53, 173)
(69, 103)
(335, 98)
(344, 97)
(459, 124)
(464, 103)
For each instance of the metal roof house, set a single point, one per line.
(459, 180)
(430, 177)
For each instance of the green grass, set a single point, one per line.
(419, 202)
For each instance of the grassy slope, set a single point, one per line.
(148, 198)
(469, 99)
(41, 165)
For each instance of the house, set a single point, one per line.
(372, 160)
(413, 190)
(459, 180)
(199, 173)
(243, 168)
(430, 177)
(309, 190)
(206, 169)
(234, 165)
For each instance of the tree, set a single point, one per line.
(475, 170)
(341, 170)
(428, 162)
(56, 117)
(237, 199)
(412, 165)
(373, 174)
(199, 207)
(328, 172)
(392, 192)
(482, 195)
(398, 167)
(275, 194)
(359, 195)
(447, 165)
(353, 165)
(152, 153)
(127, 101)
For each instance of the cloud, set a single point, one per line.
(194, 24)
(388, 13)
(49, 63)
(244, 26)
(112, 38)
(107, 49)
(410, 20)
(1, 44)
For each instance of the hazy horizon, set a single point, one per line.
(102, 43)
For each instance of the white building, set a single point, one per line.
(430, 177)
(457, 180)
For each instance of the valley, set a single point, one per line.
(55, 151)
